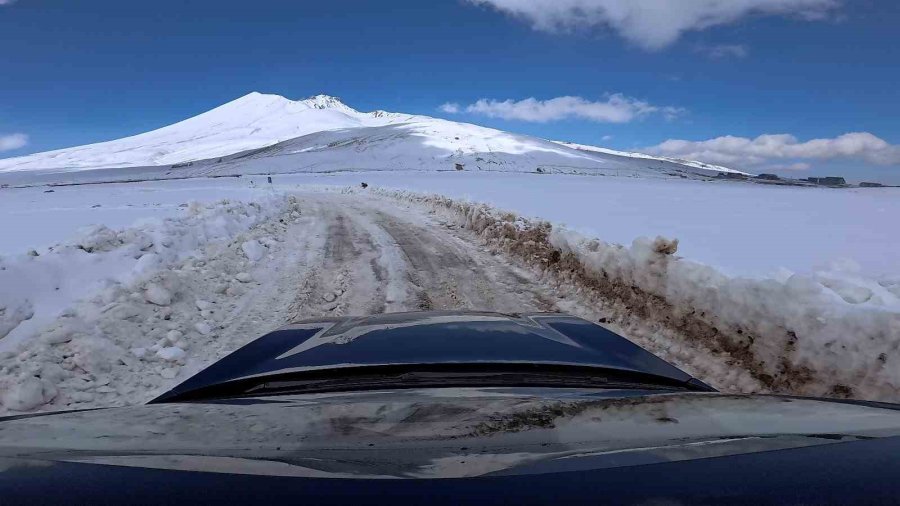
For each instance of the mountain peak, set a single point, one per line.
(256, 96)
(256, 99)
(327, 102)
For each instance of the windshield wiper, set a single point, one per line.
(407, 376)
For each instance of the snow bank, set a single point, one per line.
(105, 313)
(36, 288)
(834, 332)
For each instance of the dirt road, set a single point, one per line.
(329, 254)
(379, 257)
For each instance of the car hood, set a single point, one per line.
(435, 338)
(439, 433)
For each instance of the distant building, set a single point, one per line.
(827, 181)
(870, 185)
(460, 166)
(732, 175)
(768, 177)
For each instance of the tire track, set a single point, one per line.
(377, 258)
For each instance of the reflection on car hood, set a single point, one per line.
(439, 433)
(432, 338)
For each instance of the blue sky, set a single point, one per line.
(94, 70)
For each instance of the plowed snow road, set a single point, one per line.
(378, 257)
(363, 254)
(329, 254)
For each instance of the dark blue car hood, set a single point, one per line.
(433, 338)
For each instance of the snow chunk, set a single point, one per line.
(174, 335)
(253, 250)
(59, 335)
(146, 265)
(171, 353)
(169, 373)
(28, 394)
(95, 355)
(14, 314)
(243, 277)
(665, 246)
(97, 238)
(203, 328)
(850, 292)
(157, 294)
(53, 373)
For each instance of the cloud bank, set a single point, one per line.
(12, 141)
(653, 24)
(742, 151)
(616, 108)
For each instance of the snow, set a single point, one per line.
(253, 250)
(269, 133)
(801, 319)
(741, 229)
(155, 293)
(103, 332)
(632, 154)
(37, 289)
(203, 328)
(33, 219)
(250, 122)
(113, 315)
(28, 394)
(780, 287)
(171, 353)
(798, 334)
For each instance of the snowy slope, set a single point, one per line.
(429, 144)
(632, 154)
(252, 121)
(269, 133)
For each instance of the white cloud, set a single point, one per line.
(449, 108)
(617, 108)
(12, 141)
(6, 2)
(653, 24)
(607, 138)
(742, 151)
(722, 51)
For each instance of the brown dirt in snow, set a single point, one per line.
(529, 241)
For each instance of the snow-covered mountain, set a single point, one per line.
(269, 133)
(643, 156)
(250, 122)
